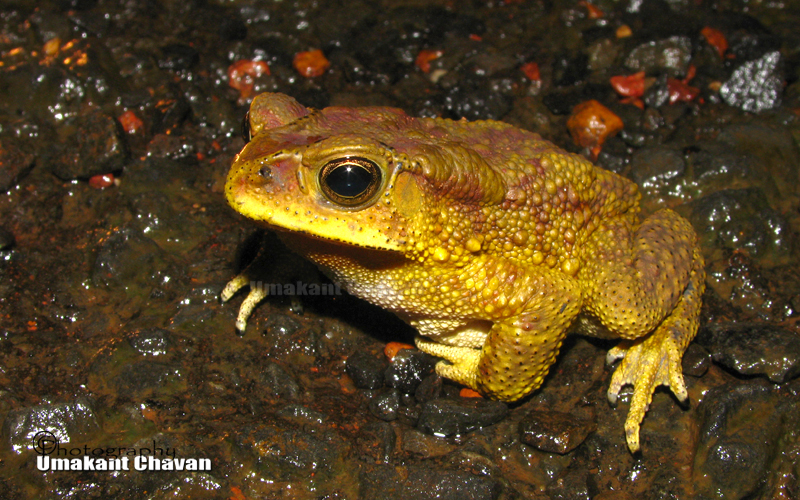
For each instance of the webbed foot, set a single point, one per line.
(646, 363)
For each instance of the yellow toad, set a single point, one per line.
(489, 240)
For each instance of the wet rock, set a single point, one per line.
(651, 167)
(302, 415)
(430, 388)
(425, 445)
(294, 454)
(671, 55)
(740, 426)
(655, 96)
(754, 349)
(772, 147)
(366, 370)
(6, 238)
(14, 164)
(554, 432)
(475, 102)
(385, 405)
(169, 113)
(376, 440)
(150, 341)
(278, 382)
(696, 361)
(572, 484)
(60, 423)
(172, 147)
(141, 378)
(446, 417)
(755, 86)
(740, 219)
(133, 262)
(93, 144)
(426, 483)
(178, 56)
(408, 368)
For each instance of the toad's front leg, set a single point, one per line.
(524, 340)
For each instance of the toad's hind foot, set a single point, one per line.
(646, 363)
(461, 363)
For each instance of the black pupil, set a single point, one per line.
(349, 180)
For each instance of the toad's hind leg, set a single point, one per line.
(650, 282)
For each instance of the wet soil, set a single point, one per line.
(118, 122)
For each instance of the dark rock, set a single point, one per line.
(6, 238)
(657, 165)
(738, 219)
(94, 145)
(407, 370)
(572, 484)
(385, 405)
(14, 164)
(178, 56)
(755, 86)
(293, 453)
(302, 415)
(426, 483)
(278, 382)
(695, 361)
(657, 94)
(429, 388)
(671, 55)
(131, 261)
(554, 432)
(376, 440)
(740, 428)
(172, 147)
(425, 445)
(754, 349)
(232, 28)
(169, 113)
(45, 426)
(475, 102)
(366, 370)
(150, 341)
(141, 378)
(281, 324)
(447, 417)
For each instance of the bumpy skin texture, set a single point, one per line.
(489, 240)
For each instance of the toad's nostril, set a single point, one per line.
(265, 172)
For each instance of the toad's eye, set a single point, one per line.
(246, 128)
(350, 181)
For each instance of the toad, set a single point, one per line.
(492, 242)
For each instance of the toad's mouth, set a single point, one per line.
(318, 249)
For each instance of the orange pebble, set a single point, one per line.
(531, 71)
(131, 123)
(630, 85)
(242, 73)
(392, 348)
(591, 124)
(425, 57)
(311, 63)
(469, 393)
(101, 181)
(716, 39)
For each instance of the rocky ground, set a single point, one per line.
(119, 120)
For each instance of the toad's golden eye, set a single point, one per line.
(350, 181)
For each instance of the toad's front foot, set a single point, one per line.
(646, 363)
(256, 295)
